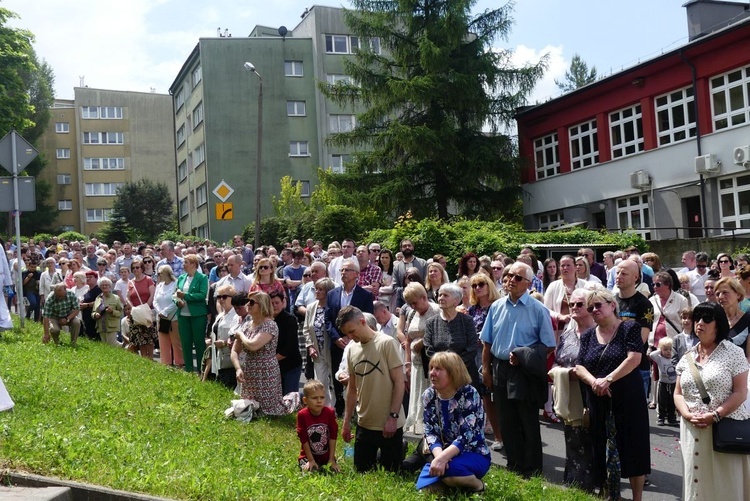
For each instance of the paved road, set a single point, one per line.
(666, 462)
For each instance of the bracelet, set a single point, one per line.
(717, 416)
(407, 363)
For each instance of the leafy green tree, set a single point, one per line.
(435, 101)
(577, 76)
(142, 210)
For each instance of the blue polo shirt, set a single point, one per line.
(510, 326)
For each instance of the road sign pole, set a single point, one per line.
(17, 204)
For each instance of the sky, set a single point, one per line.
(140, 45)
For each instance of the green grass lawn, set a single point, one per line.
(103, 416)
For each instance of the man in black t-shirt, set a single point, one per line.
(635, 306)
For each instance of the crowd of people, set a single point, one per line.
(390, 337)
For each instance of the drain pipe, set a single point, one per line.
(697, 139)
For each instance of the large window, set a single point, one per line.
(546, 156)
(293, 68)
(633, 214)
(675, 116)
(730, 98)
(103, 138)
(349, 44)
(341, 123)
(98, 215)
(199, 155)
(65, 205)
(334, 78)
(102, 112)
(182, 171)
(626, 128)
(62, 127)
(201, 195)
(102, 189)
(584, 145)
(550, 221)
(62, 153)
(64, 179)
(298, 149)
(181, 135)
(734, 193)
(338, 163)
(198, 115)
(202, 231)
(197, 76)
(103, 164)
(184, 208)
(295, 108)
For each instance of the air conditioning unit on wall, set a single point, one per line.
(707, 164)
(640, 179)
(742, 156)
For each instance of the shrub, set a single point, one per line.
(72, 235)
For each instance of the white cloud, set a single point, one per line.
(557, 65)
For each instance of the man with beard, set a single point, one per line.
(409, 261)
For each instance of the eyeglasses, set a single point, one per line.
(223, 296)
(707, 317)
(101, 264)
(251, 303)
(478, 285)
(345, 270)
(658, 284)
(498, 268)
(517, 278)
(578, 304)
(376, 251)
(135, 268)
(724, 261)
(264, 267)
(596, 306)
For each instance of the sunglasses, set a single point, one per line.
(579, 304)
(596, 306)
(307, 275)
(517, 278)
(148, 262)
(498, 268)
(658, 284)
(135, 268)
(251, 303)
(724, 261)
(223, 296)
(345, 270)
(264, 267)
(376, 251)
(478, 285)
(707, 317)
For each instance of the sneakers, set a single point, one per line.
(497, 446)
(661, 422)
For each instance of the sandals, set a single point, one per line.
(550, 417)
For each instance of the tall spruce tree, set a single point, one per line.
(435, 101)
(577, 76)
(142, 210)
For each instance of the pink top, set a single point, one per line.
(268, 288)
(142, 287)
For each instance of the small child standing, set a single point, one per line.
(667, 379)
(685, 340)
(317, 429)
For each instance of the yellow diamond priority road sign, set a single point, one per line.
(223, 191)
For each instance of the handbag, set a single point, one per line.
(730, 435)
(141, 314)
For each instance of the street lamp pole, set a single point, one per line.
(250, 67)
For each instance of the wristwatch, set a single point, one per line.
(393, 415)
(610, 379)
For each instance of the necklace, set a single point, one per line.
(733, 319)
(705, 353)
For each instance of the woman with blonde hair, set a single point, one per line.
(265, 279)
(584, 272)
(729, 294)
(170, 348)
(436, 276)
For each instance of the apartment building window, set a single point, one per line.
(295, 108)
(62, 127)
(626, 129)
(675, 116)
(62, 153)
(349, 44)
(547, 156)
(730, 98)
(199, 155)
(98, 215)
(65, 205)
(102, 189)
(298, 149)
(551, 220)
(101, 112)
(181, 135)
(734, 196)
(179, 99)
(338, 163)
(197, 76)
(633, 214)
(201, 195)
(202, 231)
(64, 179)
(184, 208)
(293, 68)
(103, 138)
(334, 78)
(341, 123)
(182, 171)
(67, 227)
(304, 188)
(103, 164)
(584, 145)
(198, 115)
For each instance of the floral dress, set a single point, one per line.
(138, 293)
(261, 370)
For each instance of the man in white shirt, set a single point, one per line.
(235, 278)
(387, 321)
(347, 249)
(698, 276)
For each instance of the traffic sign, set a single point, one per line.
(224, 212)
(26, 194)
(223, 191)
(25, 153)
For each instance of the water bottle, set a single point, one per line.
(349, 450)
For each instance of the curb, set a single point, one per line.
(78, 490)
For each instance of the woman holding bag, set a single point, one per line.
(141, 292)
(722, 368)
(190, 298)
(170, 348)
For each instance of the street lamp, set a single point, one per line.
(251, 67)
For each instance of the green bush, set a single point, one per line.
(72, 235)
(42, 237)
